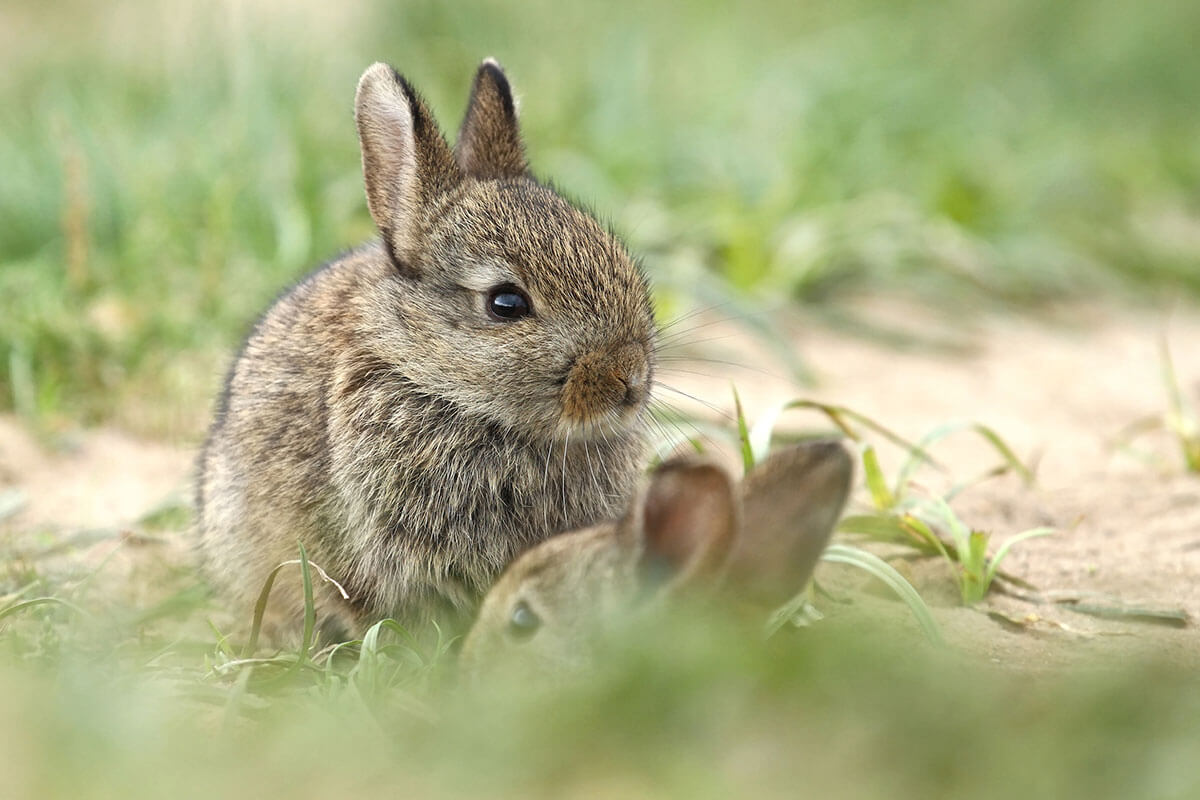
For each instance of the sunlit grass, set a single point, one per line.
(904, 514)
(1180, 420)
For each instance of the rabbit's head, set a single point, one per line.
(524, 309)
(688, 530)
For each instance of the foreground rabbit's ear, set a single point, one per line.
(790, 504)
(406, 161)
(489, 142)
(688, 522)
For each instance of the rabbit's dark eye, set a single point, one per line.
(523, 623)
(506, 303)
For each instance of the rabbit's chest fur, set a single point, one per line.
(433, 501)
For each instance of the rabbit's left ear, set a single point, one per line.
(489, 142)
(686, 523)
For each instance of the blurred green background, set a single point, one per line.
(166, 168)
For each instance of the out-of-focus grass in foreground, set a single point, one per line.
(167, 168)
(696, 706)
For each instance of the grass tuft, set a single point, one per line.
(906, 516)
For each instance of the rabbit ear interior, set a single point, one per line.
(406, 161)
(790, 504)
(489, 142)
(689, 519)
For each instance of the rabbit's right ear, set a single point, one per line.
(406, 161)
(686, 522)
(790, 503)
(489, 142)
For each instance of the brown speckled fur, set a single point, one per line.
(379, 415)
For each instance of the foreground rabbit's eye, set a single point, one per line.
(507, 303)
(523, 623)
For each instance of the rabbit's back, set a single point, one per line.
(264, 484)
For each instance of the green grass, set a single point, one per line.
(115, 703)
(1181, 419)
(905, 514)
(167, 170)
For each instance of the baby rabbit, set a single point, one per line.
(687, 530)
(421, 409)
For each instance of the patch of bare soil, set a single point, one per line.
(1129, 517)
(1061, 395)
(70, 511)
(97, 479)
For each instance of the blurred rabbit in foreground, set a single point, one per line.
(691, 529)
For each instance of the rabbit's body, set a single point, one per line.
(389, 413)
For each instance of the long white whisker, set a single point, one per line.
(677, 419)
(676, 358)
(695, 312)
(670, 437)
(565, 515)
(588, 458)
(712, 407)
(546, 486)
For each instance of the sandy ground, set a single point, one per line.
(1060, 394)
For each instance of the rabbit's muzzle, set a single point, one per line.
(610, 383)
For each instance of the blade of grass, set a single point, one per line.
(933, 543)
(1007, 545)
(41, 601)
(973, 582)
(881, 496)
(879, 527)
(260, 606)
(748, 455)
(799, 609)
(912, 463)
(840, 416)
(960, 534)
(885, 572)
(310, 611)
(1179, 421)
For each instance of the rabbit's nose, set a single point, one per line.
(637, 384)
(631, 370)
